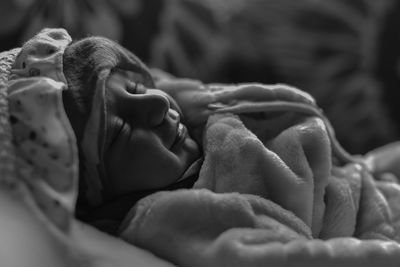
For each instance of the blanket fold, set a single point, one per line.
(237, 161)
(269, 193)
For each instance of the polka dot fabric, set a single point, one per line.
(45, 145)
(42, 56)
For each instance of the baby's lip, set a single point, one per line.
(181, 133)
(180, 129)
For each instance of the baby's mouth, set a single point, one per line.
(181, 134)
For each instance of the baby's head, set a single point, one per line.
(130, 135)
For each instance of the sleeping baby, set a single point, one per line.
(211, 172)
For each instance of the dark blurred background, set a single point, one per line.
(344, 52)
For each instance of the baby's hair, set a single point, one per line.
(88, 59)
(85, 62)
(81, 68)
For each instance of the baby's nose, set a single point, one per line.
(154, 107)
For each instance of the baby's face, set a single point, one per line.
(146, 145)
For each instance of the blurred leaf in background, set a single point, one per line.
(331, 48)
(21, 19)
(343, 52)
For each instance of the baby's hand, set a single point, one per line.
(192, 97)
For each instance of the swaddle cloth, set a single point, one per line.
(47, 158)
(46, 152)
(42, 56)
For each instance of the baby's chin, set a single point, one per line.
(188, 153)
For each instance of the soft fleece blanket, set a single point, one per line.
(270, 192)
